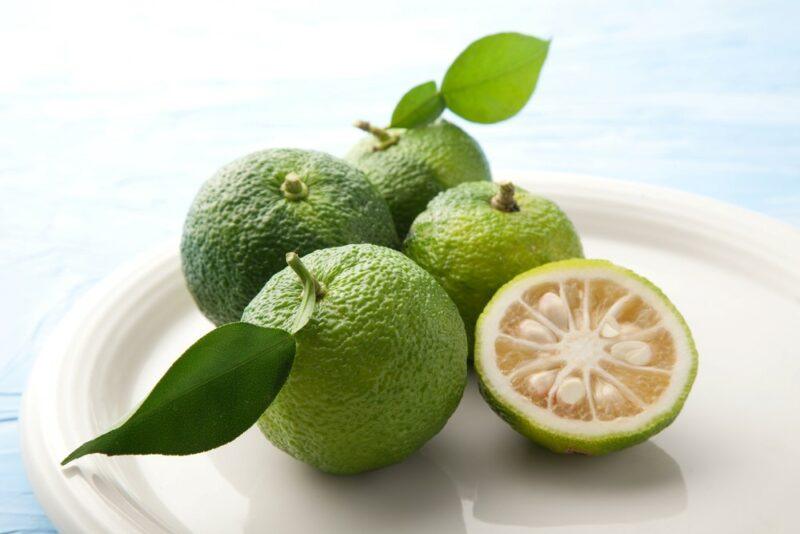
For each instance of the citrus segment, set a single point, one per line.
(584, 356)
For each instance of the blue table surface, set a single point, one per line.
(112, 115)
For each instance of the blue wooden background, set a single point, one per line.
(113, 113)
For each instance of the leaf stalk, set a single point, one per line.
(293, 187)
(384, 137)
(504, 199)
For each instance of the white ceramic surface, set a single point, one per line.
(730, 463)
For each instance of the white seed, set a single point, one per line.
(633, 352)
(540, 383)
(536, 332)
(610, 328)
(605, 393)
(628, 328)
(571, 391)
(554, 309)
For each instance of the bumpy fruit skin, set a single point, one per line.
(472, 248)
(425, 161)
(240, 225)
(562, 442)
(379, 368)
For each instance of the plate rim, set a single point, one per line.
(68, 512)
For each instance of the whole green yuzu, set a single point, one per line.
(411, 166)
(379, 368)
(256, 209)
(477, 236)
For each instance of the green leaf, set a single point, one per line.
(494, 77)
(214, 392)
(420, 105)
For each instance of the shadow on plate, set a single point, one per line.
(287, 496)
(511, 481)
(526, 485)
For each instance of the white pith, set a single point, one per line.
(581, 349)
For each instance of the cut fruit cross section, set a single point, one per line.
(584, 356)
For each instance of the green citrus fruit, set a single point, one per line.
(410, 167)
(256, 209)
(379, 368)
(583, 356)
(477, 236)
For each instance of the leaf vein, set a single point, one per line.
(495, 77)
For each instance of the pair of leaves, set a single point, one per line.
(215, 391)
(490, 81)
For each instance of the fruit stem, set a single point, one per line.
(504, 199)
(293, 187)
(385, 138)
(293, 260)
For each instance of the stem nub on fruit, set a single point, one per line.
(293, 260)
(504, 199)
(293, 187)
(384, 137)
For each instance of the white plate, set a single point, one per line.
(730, 463)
